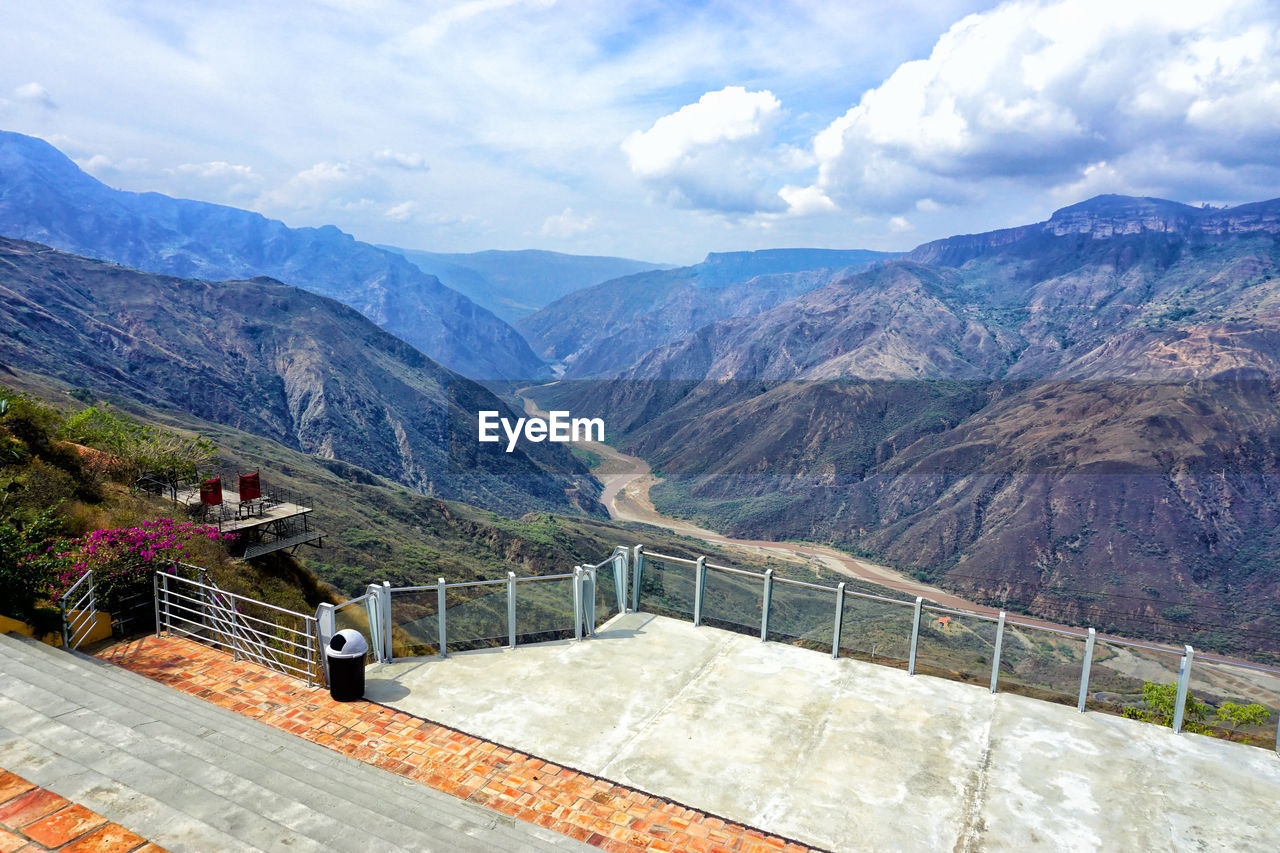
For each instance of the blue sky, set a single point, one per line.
(655, 130)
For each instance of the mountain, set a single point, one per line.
(44, 197)
(277, 361)
(602, 330)
(516, 284)
(1080, 418)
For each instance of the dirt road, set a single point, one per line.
(628, 479)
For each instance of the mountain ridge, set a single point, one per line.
(46, 198)
(277, 361)
(1057, 422)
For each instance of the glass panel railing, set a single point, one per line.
(414, 626)
(732, 600)
(606, 593)
(353, 614)
(1121, 673)
(1041, 663)
(666, 587)
(955, 645)
(1242, 702)
(802, 615)
(476, 616)
(544, 609)
(876, 630)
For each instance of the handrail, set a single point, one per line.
(656, 556)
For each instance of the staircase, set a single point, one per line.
(191, 776)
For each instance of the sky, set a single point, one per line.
(654, 130)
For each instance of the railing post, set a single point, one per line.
(590, 579)
(835, 629)
(699, 586)
(1084, 670)
(373, 609)
(620, 563)
(995, 664)
(764, 604)
(311, 649)
(235, 629)
(66, 635)
(915, 637)
(164, 592)
(386, 622)
(637, 569)
(577, 603)
(326, 624)
(511, 610)
(1184, 682)
(155, 591)
(440, 617)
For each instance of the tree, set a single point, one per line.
(142, 449)
(1243, 715)
(1161, 699)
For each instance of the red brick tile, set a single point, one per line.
(111, 838)
(10, 842)
(458, 763)
(63, 826)
(30, 807)
(11, 785)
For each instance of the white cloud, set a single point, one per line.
(35, 93)
(103, 167)
(566, 224)
(219, 170)
(401, 212)
(806, 201)
(326, 186)
(714, 154)
(1037, 92)
(400, 160)
(217, 180)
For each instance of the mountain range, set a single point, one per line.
(46, 198)
(601, 330)
(1079, 417)
(277, 361)
(514, 284)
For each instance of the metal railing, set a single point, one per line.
(78, 612)
(277, 638)
(1047, 662)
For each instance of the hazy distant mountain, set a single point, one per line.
(516, 284)
(1081, 417)
(603, 330)
(277, 361)
(46, 198)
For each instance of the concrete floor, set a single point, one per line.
(844, 754)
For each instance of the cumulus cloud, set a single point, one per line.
(401, 212)
(1052, 94)
(36, 94)
(217, 179)
(327, 186)
(715, 154)
(566, 224)
(400, 160)
(104, 168)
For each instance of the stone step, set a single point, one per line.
(259, 776)
(190, 775)
(314, 766)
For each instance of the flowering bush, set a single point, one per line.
(121, 558)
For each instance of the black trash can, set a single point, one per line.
(345, 655)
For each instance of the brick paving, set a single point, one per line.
(608, 816)
(33, 819)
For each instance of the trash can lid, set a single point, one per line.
(347, 643)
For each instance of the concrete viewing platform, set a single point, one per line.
(843, 754)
